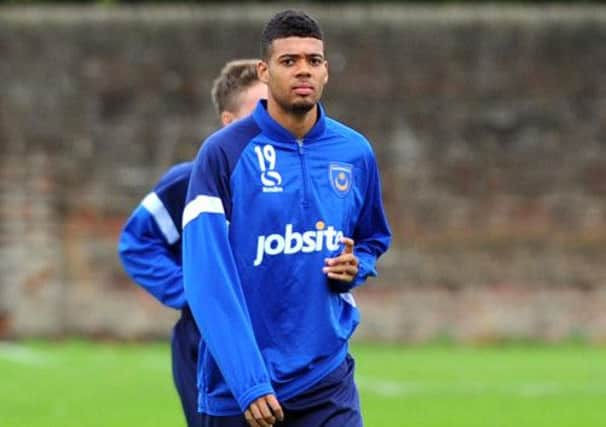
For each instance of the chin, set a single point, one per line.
(302, 107)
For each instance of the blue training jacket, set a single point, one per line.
(263, 211)
(150, 242)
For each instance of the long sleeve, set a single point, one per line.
(212, 283)
(372, 235)
(145, 252)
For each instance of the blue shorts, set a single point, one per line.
(333, 402)
(184, 348)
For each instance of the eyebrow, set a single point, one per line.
(299, 55)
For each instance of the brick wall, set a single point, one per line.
(489, 126)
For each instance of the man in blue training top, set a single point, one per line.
(283, 218)
(150, 243)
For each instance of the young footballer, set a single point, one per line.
(284, 217)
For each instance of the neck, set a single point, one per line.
(297, 124)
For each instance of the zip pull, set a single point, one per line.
(300, 144)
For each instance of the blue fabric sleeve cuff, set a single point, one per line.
(252, 394)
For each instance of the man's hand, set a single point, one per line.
(345, 266)
(264, 412)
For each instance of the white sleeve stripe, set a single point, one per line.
(156, 208)
(348, 298)
(200, 205)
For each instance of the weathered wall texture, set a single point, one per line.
(489, 126)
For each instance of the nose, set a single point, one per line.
(304, 69)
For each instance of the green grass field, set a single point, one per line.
(87, 384)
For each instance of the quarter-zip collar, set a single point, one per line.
(277, 132)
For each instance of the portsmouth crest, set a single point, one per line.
(340, 175)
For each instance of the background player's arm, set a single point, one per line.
(147, 258)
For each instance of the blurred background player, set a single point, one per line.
(150, 243)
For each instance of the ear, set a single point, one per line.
(263, 71)
(326, 77)
(226, 118)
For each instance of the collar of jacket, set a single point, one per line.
(277, 132)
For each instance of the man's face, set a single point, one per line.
(247, 100)
(295, 73)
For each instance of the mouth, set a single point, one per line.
(303, 89)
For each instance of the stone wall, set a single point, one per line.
(488, 123)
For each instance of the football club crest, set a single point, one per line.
(340, 175)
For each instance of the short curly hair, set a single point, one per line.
(235, 77)
(289, 23)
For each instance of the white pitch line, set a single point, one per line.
(389, 388)
(394, 389)
(22, 354)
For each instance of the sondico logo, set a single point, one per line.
(292, 242)
(271, 180)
